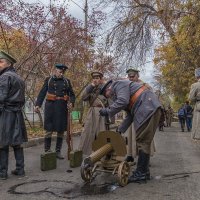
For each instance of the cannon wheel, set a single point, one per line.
(86, 173)
(123, 172)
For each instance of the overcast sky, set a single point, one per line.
(75, 9)
(74, 6)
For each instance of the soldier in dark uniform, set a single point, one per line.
(59, 97)
(12, 126)
(143, 109)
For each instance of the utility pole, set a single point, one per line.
(86, 20)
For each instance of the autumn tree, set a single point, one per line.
(140, 25)
(175, 78)
(40, 36)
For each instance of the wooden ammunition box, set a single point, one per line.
(75, 158)
(48, 161)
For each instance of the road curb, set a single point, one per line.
(37, 141)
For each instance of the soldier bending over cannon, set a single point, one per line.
(143, 109)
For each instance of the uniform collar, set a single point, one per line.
(11, 68)
(56, 78)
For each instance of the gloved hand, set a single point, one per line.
(37, 109)
(118, 131)
(103, 112)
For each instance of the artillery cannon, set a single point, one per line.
(108, 154)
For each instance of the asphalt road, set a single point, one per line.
(175, 169)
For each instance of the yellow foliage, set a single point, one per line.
(14, 41)
(177, 75)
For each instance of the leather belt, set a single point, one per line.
(62, 98)
(98, 106)
(135, 96)
(53, 97)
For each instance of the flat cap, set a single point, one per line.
(105, 86)
(61, 66)
(131, 70)
(4, 55)
(96, 73)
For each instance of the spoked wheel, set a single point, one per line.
(123, 172)
(86, 173)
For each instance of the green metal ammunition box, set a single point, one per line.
(48, 161)
(75, 158)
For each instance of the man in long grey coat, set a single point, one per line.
(143, 109)
(194, 96)
(12, 126)
(94, 123)
(133, 75)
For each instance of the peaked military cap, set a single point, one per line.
(107, 85)
(4, 55)
(96, 73)
(197, 72)
(132, 71)
(61, 66)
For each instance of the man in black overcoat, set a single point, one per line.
(59, 96)
(12, 126)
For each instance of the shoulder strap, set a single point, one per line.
(66, 81)
(49, 80)
(95, 97)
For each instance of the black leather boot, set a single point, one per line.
(129, 159)
(47, 144)
(19, 157)
(58, 148)
(142, 172)
(4, 152)
(148, 174)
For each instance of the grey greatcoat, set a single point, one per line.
(144, 114)
(131, 135)
(145, 106)
(94, 123)
(12, 99)
(194, 96)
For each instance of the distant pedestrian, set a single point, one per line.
(189, 114)
(182, 116)
(194, 96)
(169, 116)
(162, 119)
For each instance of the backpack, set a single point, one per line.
(188, 110)
(181, 112)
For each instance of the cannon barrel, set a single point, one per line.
(97, 155)
(100, 153)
